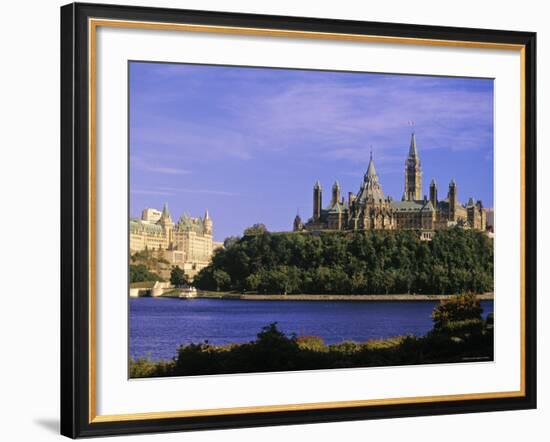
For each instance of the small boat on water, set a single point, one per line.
(188, 293)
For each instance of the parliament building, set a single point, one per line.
(370, 209)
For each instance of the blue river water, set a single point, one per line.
(159, 325)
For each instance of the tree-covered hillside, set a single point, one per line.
(366, 262)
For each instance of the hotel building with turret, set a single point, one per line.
(188, 243)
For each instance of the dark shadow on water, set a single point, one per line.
(52, 425)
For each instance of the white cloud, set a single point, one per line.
(150, 192)
(166, 170)
(176, 190)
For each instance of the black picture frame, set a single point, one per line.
(75, 220)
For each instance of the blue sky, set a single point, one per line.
(249, 143)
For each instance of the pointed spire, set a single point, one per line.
(165, 212)
(206, 215)
(317, 185)
(165, 218)
(371, 171)
(433, 183)
(336, 185)
(413, 153)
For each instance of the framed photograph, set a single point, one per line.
(273, 220)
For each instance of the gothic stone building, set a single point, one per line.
(371, 209)
(188, 243)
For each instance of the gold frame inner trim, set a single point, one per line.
(93, 24)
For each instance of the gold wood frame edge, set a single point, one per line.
(93, 23)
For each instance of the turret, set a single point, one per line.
(165, 217)
(453, 200)
(167, 224)
(207, 221)
(413, 173)
(317, 201)
(335, 193)
(433, 193)
(297, 226)
(483, 213)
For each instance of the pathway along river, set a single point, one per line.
(159, 325)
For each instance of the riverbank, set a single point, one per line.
(158, 326)
(312, 297)
(451, 340)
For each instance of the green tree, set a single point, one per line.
(140, 273)
(230, 241)
(178, 277)
(377, 262)
(204, 280)
(221, 279)
(256, 229)
(455, 309)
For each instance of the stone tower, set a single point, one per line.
(453, 200)
(207, 221)
(413, 173)
(317, 201)
(433, 193)
(335, 193)
(167, 225)
(297, 226)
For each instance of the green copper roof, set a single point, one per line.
(138, 226)
(412, 206)
(428, 207)
(406, 206)
(188, 223)
(337, 208)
